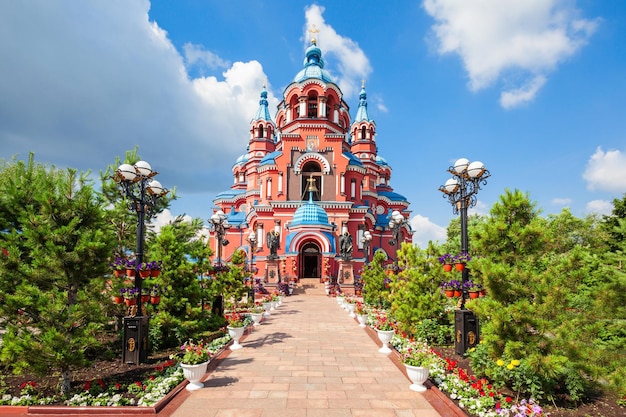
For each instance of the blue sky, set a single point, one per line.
(535, 89)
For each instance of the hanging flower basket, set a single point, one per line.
(144, 274)
(130, 301)
(474, 294)
(155, 272)
(145, 298)
(155, 299)
(449, 293)
(119, 273)
(459, 266)
(118, 299)
(447, 267)
(130, 273)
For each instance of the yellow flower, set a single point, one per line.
(509, 367)
(515, 362)
(471, 349)
(500, 362)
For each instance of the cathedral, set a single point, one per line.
(311, 197)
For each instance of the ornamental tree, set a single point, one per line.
(57, 242)
(415, 293)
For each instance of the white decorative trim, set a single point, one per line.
(309, 156)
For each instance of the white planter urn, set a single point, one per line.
(256, 318)
(385, 337)
(267, 307)
(351, 308)
(235, 333)
(418, 375)
(194, 374)
(362, 319)
(273, 305)
(340, 300)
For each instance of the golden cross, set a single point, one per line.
(313, 31)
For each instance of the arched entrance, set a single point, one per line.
(310, 260)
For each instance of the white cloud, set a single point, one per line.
(599, 207)
(425, 231)
(352, 63)
(198, 55)
(164, 218)
(496, 38)
(561, 201)
(606, 171)
(524, 94)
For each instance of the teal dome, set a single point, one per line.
(309, 213)
(313, 66)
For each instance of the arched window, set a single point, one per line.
(261, 131)
(312, 106)
(363, 132)
(312, 173)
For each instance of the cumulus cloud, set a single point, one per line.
(498, 40)
(426, 231)
(606, 171)
(561, 201)
(197, 55)
(87, 81)
(599, 207)
(352, 63)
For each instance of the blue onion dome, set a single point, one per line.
(309, 213)
(313, 65)
(381, 161)
(242, 159)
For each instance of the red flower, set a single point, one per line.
(118, 386)
(101, 383)
(508, 399)
(87, 386)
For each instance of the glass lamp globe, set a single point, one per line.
(476, 169)
(126, 172)
(461, 165)
(451, 186)
(143, 168)
(155, 188)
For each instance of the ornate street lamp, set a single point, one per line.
(219, 224)
(367, 241)
(142, 193)
(252, 241)
(396, 222)
(461, 191)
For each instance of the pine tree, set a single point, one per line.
(57, 243)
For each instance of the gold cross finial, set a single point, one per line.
(311, 182)
(313, 30)
(363, 83)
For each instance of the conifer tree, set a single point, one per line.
(56, 245)
(415, 293)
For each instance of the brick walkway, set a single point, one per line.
(307, 359)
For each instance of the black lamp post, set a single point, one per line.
(461, 191)
(252, 241)
(367, 241)
(142, 192)
(396, 222)
(220, 225)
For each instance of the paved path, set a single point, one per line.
(307, 359)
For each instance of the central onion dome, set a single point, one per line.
(309, 213)
(313, 65)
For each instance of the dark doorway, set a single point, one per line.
(311, 261)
